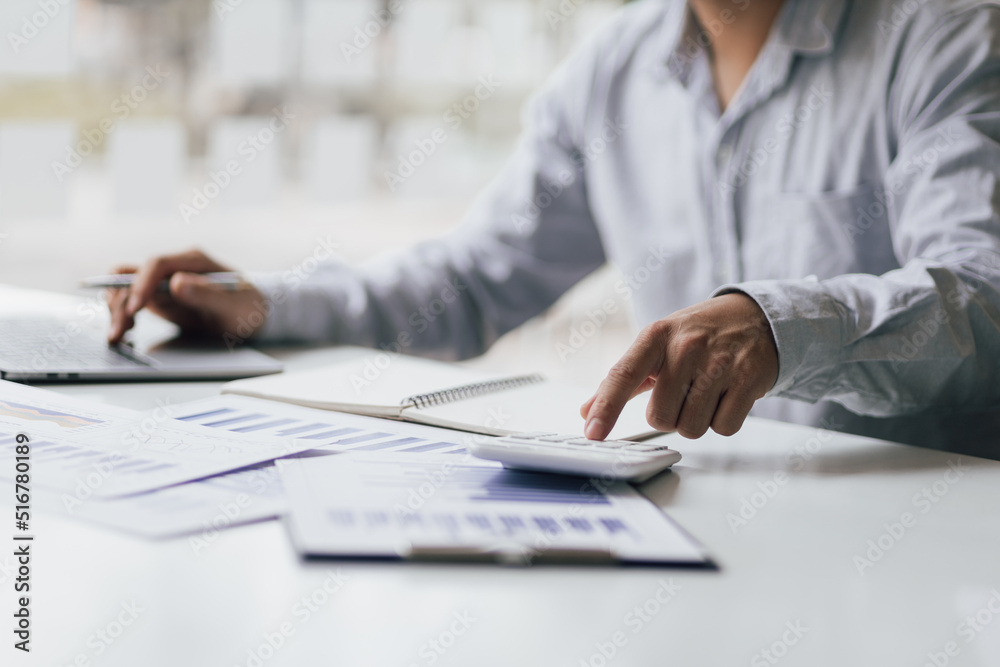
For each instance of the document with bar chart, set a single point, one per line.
(245, 495)
(91, 450)
(196, 508)
(403, 505)
(309, 428)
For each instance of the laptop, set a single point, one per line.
(45, 348)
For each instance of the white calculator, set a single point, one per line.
(573, 455)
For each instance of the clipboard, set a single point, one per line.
(452, 507)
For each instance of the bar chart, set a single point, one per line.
(324, 430)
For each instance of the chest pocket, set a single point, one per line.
(825, 235)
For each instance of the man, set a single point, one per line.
(820, 178)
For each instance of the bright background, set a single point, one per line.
(72, 92)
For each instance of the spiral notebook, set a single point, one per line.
(378, 384)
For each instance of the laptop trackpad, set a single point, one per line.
(194, 354)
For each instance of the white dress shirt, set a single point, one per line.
(852, 188)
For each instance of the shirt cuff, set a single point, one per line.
(326, 305)
(276, 296)
(807, 324)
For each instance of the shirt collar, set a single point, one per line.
(810, 27)
(807, 27)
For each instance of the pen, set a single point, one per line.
(120, 280)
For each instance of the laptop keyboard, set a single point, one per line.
(42, 345)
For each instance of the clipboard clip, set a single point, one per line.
(512, 554)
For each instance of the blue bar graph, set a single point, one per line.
(326, 434)
(234, 420)
(211, 413)
(331, 434)
(302, 429)
(259, 427)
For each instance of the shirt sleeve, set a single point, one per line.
(526, 240)
(924, 337)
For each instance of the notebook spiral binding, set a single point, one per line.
(465, 391)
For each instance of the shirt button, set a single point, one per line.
(725, 154)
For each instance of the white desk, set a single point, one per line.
(791, 564)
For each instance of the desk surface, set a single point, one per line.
(816, 568)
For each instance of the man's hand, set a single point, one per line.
(193, 303)
(706, 365)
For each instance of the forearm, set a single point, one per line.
(450, 298)
(409, 307)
